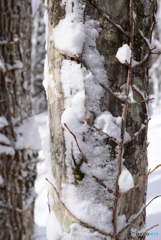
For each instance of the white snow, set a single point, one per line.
(53, 230)
(111, 125)
(17, 64)
(27, 135)
(3, 122)
(72, 28)
(124, 53)
(7, 150)
(4, 139)
(48, 80)
(126, 181)
(1, 181)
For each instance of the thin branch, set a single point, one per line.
(85, 158)
(140, 63)
(86, 120)
(153, 5)
(138, 215)
(12, 209)
(152, 227)
(80, 222)
(137, 133)
(108, 19)
(123, 126)
(143, 99)
(121, 194)
(76, 143)
(72, 56)
(146, 100)
(103, 185)
(29, 29)
(112, 93)
(156, 53)
(141, 34)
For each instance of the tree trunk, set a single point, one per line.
(38, 58)
(18, 132)
(90, 91)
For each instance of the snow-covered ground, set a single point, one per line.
(154, 181)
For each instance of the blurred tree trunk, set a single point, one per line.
(66, 161)
(155, 59)
(38, 58)
(17, 128)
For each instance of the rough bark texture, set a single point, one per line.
(108, 42)
(17, 167)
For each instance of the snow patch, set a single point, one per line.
(124, 53)
(3, 122)
(126, 181)
(27, 135)
(72, 28)
(4, 139)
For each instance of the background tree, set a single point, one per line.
(155, 60)
(38, 58)
(18, 133)
(98, 115)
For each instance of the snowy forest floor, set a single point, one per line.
(154, 181)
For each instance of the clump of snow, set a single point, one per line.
(86, 210)
(4, 139)
(124, 53)
(27, 135)
(3, 122)
(72, 28)
(2, 64)
(111, 125)
(17, 64)
(126, 181)
(7, 150)
(79, 232)
(1, 181)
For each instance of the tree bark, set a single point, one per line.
(17, 153)
(97, 149)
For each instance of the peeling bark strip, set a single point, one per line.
(18, 157)
(115, 85)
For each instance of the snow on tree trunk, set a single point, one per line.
(96, 81)
(18, 132)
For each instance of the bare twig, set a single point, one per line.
(146, 100)
(143, 99)
(153, 5)
(137, 133)
(138, 215)
(29, 29)
(152, 227)
(86, 120)
(72, 56)
(76, 143)
(80, 222)
(121, 194)
(141, 34)
(103, 185)
(12, 209)
(112, 93)
(123, 127)
(85, 158)
(108, 19)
